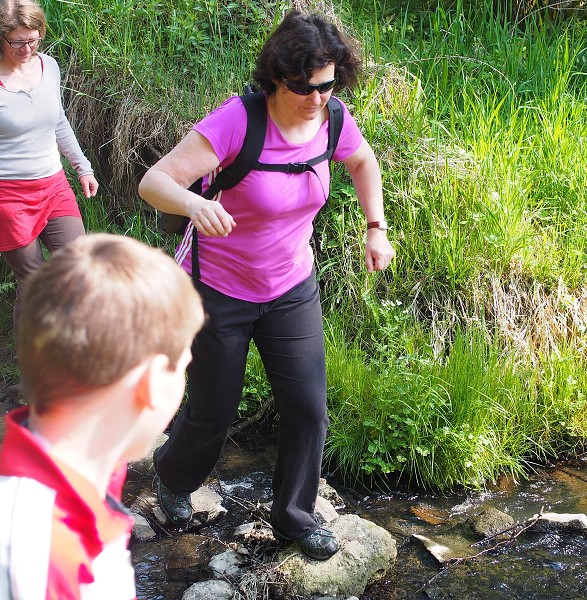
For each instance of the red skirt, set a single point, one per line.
(27, 205)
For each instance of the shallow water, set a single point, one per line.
(535, 566)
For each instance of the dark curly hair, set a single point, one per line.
(300, 45)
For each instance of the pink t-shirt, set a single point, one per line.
(268, 252)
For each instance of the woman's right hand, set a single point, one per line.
(165, 186)
(210, 218)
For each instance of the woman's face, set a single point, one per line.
(17, 37)
(309, 106)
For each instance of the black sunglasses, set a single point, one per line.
(305, 89)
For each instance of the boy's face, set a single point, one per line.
(167, 389)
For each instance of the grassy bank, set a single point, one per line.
(467, 358)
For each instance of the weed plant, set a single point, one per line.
(465, 359)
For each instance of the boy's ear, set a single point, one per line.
(147, 389)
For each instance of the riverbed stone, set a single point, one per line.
(491, 522)
(207, 505)
(245, 530)
(324, 510)
(429, 514)
(142, 530)
(366, 554)
(189, 556)
(326, 491)
(209, 590)
(447, 547)
(564, 522)
(401, 527)
(226, 564)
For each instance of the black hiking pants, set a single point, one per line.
(288, 333)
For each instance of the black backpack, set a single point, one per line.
(247, 160)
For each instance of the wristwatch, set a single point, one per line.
(378, 225)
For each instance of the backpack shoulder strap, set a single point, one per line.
(256, 107)
(334, 129)
(335, 126)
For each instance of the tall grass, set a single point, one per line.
(483, 164)
(155, 48)
(466, 359)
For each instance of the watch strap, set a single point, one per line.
(378, 225)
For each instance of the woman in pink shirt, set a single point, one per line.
(256, 273)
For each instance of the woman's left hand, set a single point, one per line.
(378, 251)
(89, 185)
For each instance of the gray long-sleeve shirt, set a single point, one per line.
(34, 130)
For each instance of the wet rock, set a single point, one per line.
(226, 564)
(564, 522)
(245, 529)
(207, 505)
(324, 510)
(366, 554)
(189, 555)
(327, 492)
(401, 527)
(429, 514)
(149, 561)
(491, 522)
(142, 530)
(255, 530)
(447, 547)
(209, 590)
(144, 504)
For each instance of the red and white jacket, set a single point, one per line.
(58, 539)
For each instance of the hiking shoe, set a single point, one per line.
(177, 507)
(319, 545)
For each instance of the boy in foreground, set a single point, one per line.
(104, 341)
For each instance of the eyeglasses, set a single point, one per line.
(18, 44)
(305, 89)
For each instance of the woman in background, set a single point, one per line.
(37, 203)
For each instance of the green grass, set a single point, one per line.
(466, 359)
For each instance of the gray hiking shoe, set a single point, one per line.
(319, 545)
(177, 507)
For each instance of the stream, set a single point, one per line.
(534, 566)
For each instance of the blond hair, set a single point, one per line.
(98, 308)
(21, 13)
